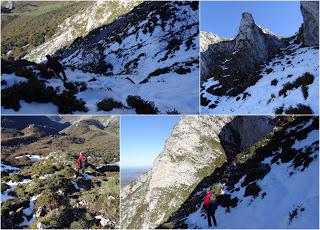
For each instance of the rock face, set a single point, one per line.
(258, 44)
(206, 39)
(192, 152)
(250, 129)
(310, 13)
(80, 24)
(233, 63)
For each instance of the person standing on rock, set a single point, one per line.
(210, 205)
(54, 64)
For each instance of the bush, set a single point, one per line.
(142, 106)
(80, 224)
(14, 218)
(22, 72)
(56, 219)
(279, 110)
(204, 101)
(49, 199)
(252, 190)
(305, 92)
(36, 90)
(274, 82)
(108, 104)
(20, 192)
(159, 72)
(299, 109)
(182, 70)
(256, 174)
(98, 199)
(4, 187)
(16, 177)
(67, 103)
(269, 70)
(304, 80)
(224, 200)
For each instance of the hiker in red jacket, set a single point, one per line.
(54, 64)
(210, 205)
(80, 163)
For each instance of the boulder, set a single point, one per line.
(106, 223)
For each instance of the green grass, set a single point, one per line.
(34, 24)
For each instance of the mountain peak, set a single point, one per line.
(247, 21)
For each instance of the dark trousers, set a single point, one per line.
(57, 73)
(81, 168)
(210, 215)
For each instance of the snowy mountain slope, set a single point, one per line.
(288, 194)
(80, 24)
(151, 53)
(167, 95)
(193, 150)
(236, 74)
(153, 39)
(266, 95)
(261, 163)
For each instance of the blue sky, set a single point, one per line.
(143, 138)
(223, 18)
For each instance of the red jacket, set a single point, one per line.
(207, 199)
(80, 160)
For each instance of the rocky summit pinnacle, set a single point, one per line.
(239, 58)
(246, 22)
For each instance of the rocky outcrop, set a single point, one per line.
(106, 223)
(234, 63)
(179, 167)
(207, 39)
(193, 151)
(259, 44)
(251, 129)
(126, 46)
(80, 24)
(310, 13)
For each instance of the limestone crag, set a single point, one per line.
(233, 63)
(196, 146)
(310, 13)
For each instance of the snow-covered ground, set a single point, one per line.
(10, 80)
(31, 157)
(5, 195)
(9, 168)
(29, 212)
(284, 193)
(168, 92)
(259, 99)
